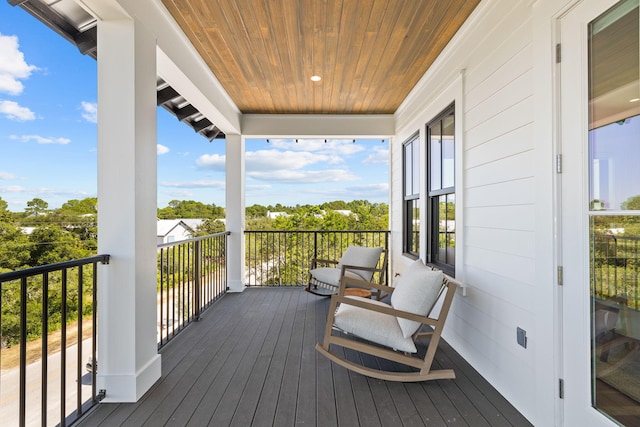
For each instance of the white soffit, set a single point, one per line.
(318, 125)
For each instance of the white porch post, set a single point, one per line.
(235, 211)
(128, 363)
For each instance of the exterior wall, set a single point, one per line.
(172, 231)
(499, 70)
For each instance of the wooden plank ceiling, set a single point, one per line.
(369, 53)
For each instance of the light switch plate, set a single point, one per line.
(522, 337)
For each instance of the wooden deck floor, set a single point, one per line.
(251, 361)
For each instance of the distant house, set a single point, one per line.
(173, 230)
(274, 215)
(346, 212)
(27, 230)
(193, 223)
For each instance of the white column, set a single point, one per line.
(128, 363)
(235, 211)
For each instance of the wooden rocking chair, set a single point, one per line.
(358, 262)
(394, 325)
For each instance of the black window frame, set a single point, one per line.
(432, 202)
(411, 198)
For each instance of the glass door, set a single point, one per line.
(600, 143)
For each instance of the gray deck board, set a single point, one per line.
(251, 361)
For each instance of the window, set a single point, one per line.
(441, 196)
(411, 164)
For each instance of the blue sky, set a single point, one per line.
(48, 139)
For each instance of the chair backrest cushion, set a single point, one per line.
(416, 291)
(361, 257)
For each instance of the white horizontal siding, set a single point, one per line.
(512, 117)
(499, 179)
(514, 217)
(497, 239)
(516, 192)
(514, 270)
(509, 94)
(509, 56)
(513, 168)
(513, 142)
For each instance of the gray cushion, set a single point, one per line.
(416, 291)
(331, 275)
(361, 257)
(373, 326)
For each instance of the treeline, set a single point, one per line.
(39, 235)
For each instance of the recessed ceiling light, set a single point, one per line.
(316, 78)
(634, 100)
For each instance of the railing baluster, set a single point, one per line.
(23, 351)
(63, 349)
(45, 348)
(79, 341)
(282, 257)
(191, 279)
(41, 283)
(196, 280)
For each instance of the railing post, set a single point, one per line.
(315, 244)
(198, 273)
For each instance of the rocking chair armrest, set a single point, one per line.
(316, 261)
(382, 309)
(345, 281)
(358, 267)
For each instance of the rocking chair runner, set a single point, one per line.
(360, 263)
(395, 325)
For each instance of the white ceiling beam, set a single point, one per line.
(318, 125)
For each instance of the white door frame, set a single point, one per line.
(573, 231)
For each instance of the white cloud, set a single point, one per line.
(41, 139)
(7, 176)
(194, 184)
(211, 161)
(12, 189)
(304, 177)
(181, 194)
(162, 149)
(382, 188)
(90, 111)
(379, 156)
(274, 160)
(12, 66)
(42, 191)
(330, 147)
(258, 187)
(362, 192)
(14, 111)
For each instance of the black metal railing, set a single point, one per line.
(615, 268)
(46, 311)
(192, 274)
(283, 258)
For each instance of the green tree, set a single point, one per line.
(14, 247)
(256, 211)
(51, 244)
(333, 220)
(4, 209)
(210, 226)
(85, 206)
(632, 203)
(36, 207)
(335, 205)
(190, 209)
